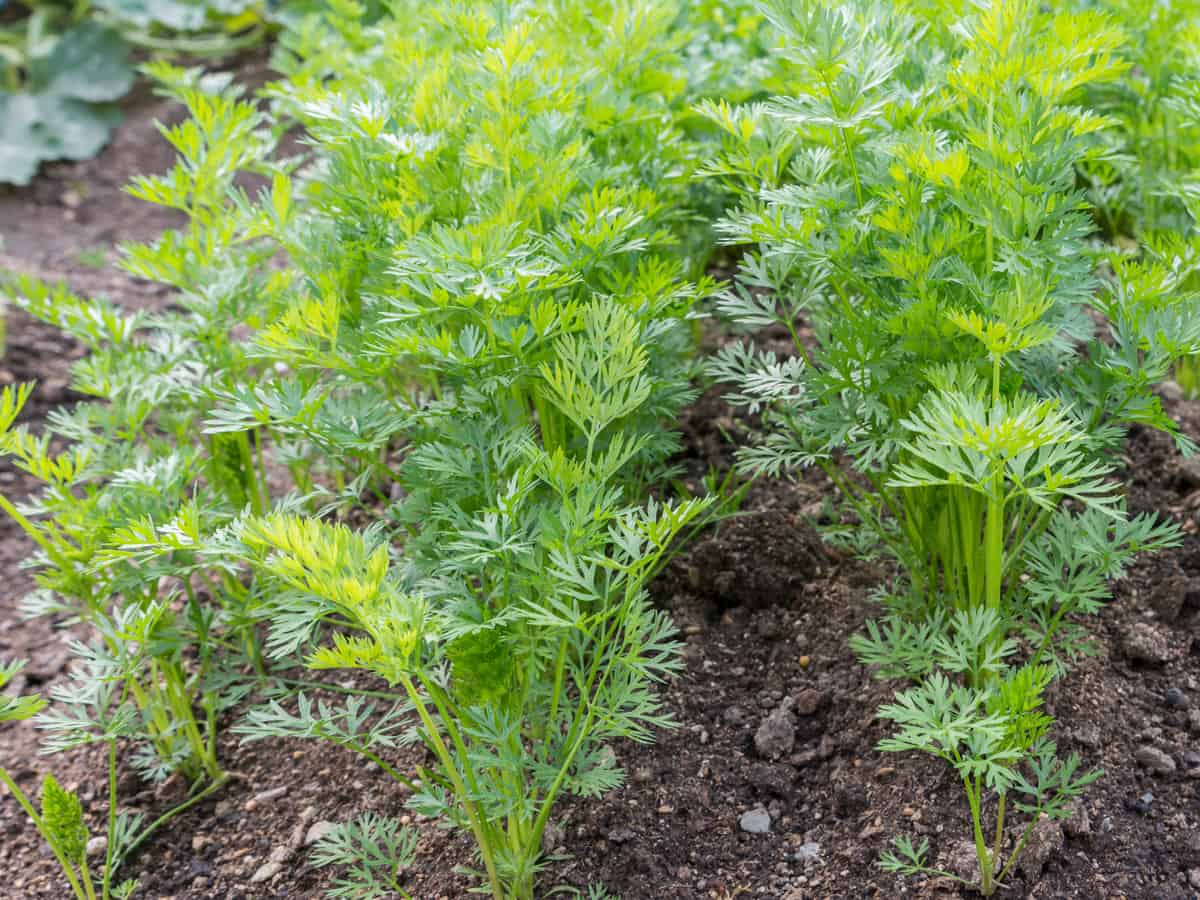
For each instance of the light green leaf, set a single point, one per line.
(88, 62)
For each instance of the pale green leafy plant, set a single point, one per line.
(926, 221)
(60, 819)
(482, 329)
(522, 652)
(914, 199)
(995, 740)
(123, 510)
(373, 851)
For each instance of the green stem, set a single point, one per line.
(1017, 850)
(1027, 534)
(994, 538)
(833, 104)
(991, 123)
(263, 488)
(112, 817)
(994, 543)
(800, 348)
(451, 769)
(999, 828)
(85, 877)
(974, 797)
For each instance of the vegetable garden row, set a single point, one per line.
(412, 413)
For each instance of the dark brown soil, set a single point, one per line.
(766, 608)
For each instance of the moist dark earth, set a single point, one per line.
(765, 607)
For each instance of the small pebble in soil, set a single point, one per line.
(318, 830)
(776, 735)
(265, 797)
(1175, 698)
(266, 872)
(963, 860)
(809, 701)
(224, 809)
(1141, 805)
(1154, 759)
(808, 853)
(1078, 824)
(97, 846)
(1088, 735)
(756, 821)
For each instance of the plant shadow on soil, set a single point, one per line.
(766, 609)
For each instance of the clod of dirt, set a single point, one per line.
(776, 736)
(1154, 759)
(849, 800)
(1167, 598)
(1144, 643)
(1079, 823)
(1187, 472)
(808, 701)
(1044, 842)
(778, 780)
(963, 861)
(1087, 734)
(1141, 805)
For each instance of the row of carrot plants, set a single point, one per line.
(928, 196)
(409, 414)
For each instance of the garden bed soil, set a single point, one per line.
(765, 608)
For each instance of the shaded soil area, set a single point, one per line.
(766, 608)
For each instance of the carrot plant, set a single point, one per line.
(483, 325)
(1143, 189)
(915, 199)
(521, 656)
(1137, 186)
(127, 493)
(919, 206)
(92, 711)
(995, 740)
